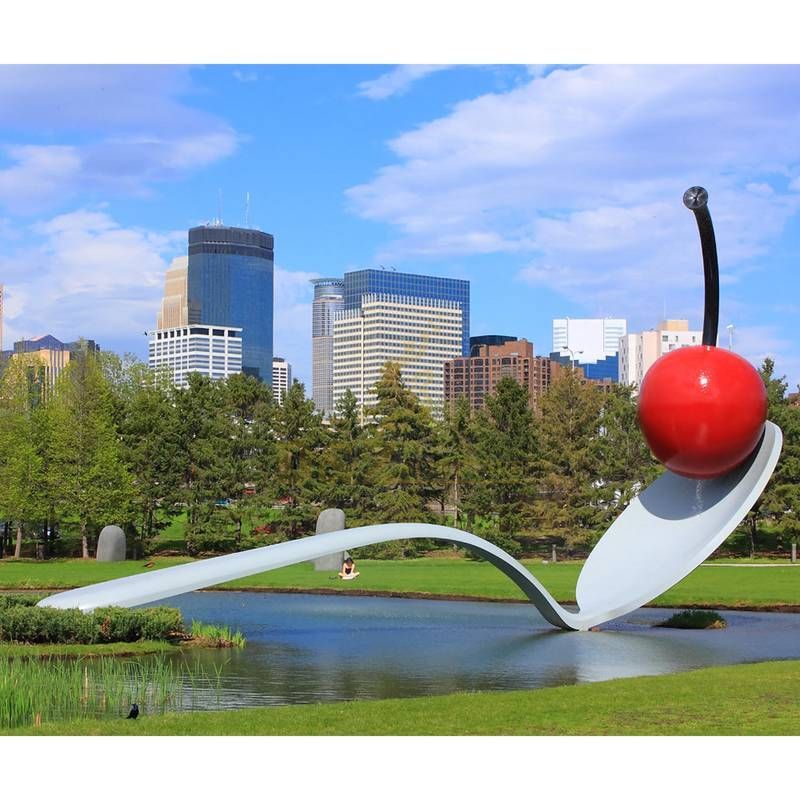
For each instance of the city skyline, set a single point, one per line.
(388, 166)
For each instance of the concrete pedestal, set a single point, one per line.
(330, 520)
(111, 544)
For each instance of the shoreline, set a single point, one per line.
(778, 608)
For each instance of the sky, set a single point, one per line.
(556, 190)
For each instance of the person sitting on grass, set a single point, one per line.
(348, 570)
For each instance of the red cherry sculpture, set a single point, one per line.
(702, 410)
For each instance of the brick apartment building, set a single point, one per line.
(476, 376)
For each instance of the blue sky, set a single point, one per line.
(555, 190)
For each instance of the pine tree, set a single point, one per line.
(206, 437)
(300, 442)
(500, 483)
(623, 463)
(403, 447)
(780, 501)
(345, 462)
(569, 427)
(455, 454)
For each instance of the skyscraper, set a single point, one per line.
(215, 352)
(174, 311)
(328, 299)
(363, 282)
(420, 334)
(639, 351)
(230, 284)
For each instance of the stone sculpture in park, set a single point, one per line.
(703, 412)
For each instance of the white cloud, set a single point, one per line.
(86, 275)
(397, 81)
(581, 173)
(149, 132)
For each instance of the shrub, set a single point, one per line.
(34, 625)
(694, 619)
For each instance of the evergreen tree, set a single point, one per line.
(623, 463)
(252, 411)
(780, 501)
(403, 447)
(569, 427)
(501, 481)
(455, 454)
(149, 427)
(346, 463)
(85, 459)
(300, 442)
(206, 437)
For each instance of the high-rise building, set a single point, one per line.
(328, 299)
(281, 378)
(230, 284)
(588, 340)
(174, 311)
(53, 354)
(213, 351)
(639, 351)
(420, 334)
(601, 370)
(476, 376)
(363, 282)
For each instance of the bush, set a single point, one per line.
(694, 620)
(34, 625)
(9, 600)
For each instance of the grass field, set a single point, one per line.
(730, 587)
(749, 699)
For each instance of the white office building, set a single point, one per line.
(419, 334)
(281, 378)
(213, 351)
(589, 340)
(639, 351)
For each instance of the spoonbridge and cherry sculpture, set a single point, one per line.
(702, 410)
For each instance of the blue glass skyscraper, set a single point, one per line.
(381, 281)
(230, 283)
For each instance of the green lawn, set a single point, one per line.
(749, 699)
(737, 586)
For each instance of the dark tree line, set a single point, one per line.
(115, 443)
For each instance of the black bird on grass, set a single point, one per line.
(134, 712)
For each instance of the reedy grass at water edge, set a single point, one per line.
(38, 690)
(207, 635)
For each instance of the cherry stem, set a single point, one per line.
(696, 200)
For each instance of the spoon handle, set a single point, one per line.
(696, 200)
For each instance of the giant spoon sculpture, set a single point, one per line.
(702, 410)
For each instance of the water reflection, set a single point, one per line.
(312, 648)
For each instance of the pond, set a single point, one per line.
(305, 648)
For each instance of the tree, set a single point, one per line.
(455, 453)
(780, 501)
(346, 462)
(149, 428)
(501, 481)
(300, 442)
(403, 448)
(23, 497)
(623, 463)
(87, 471)
(206, 438)
(569, 427)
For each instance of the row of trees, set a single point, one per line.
(114, 442)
